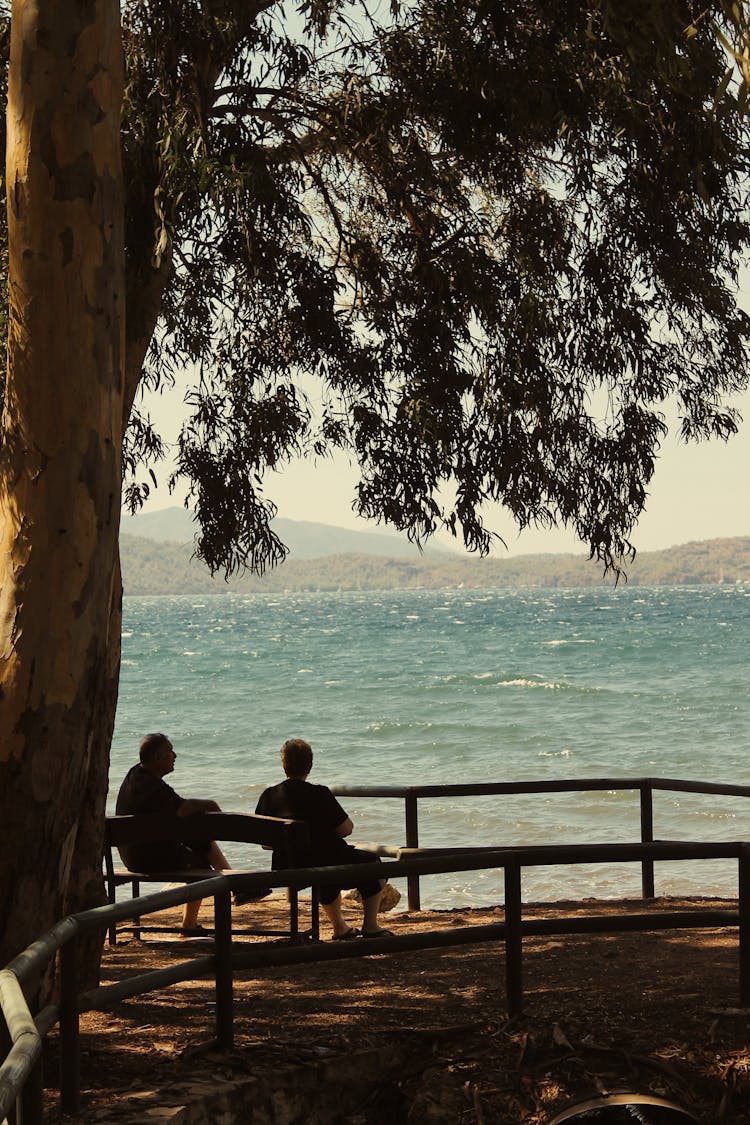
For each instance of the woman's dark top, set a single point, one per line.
(299, 800)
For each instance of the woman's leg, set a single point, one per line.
(372, 892)
(370, 907)
(335, 915)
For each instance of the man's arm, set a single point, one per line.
(196, 805)
(345, 828)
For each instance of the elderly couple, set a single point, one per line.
(145, 791)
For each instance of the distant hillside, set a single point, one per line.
(304, 539)
(150, 567)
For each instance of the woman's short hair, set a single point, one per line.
(296, 757)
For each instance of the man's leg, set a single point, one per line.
(219, 862)
(190, 915)
(217, 859)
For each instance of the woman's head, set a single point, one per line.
(296, 758)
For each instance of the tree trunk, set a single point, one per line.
(60, 461)
(86, 885)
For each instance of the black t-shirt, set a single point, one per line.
(299, 800)
(141, 792)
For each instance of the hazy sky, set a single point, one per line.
(698, 492)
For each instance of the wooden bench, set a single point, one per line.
(268, 831)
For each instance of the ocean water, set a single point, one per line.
(438, 687)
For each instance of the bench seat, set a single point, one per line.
(267, 831)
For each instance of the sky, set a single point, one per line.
(699, 491)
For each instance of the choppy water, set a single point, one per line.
(454, 686)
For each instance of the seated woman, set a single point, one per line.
(297, 799)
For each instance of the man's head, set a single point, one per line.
(157, 755)
(296, 758)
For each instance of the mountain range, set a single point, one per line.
(305, 540)
(159, 560)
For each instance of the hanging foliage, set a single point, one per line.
(477, 245)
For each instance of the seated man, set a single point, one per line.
(145, 791)
(297, 799)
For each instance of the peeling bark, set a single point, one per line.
(60, 461)
(86, 885)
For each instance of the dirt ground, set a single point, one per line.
(603, 1013)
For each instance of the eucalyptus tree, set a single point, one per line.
(61, 451)
(495, 237)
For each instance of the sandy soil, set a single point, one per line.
(650, 1012)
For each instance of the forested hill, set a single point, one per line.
(151, 567)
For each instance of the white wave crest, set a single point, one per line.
(568, 641)
(547, 685)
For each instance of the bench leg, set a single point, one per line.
(136, 921)
(315, 913)
(293, 913)
(112, 899)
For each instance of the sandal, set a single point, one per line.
(377, 933)
(196, 932)
(348, 935)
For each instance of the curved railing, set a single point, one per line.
(20, 1073)
(411, 795)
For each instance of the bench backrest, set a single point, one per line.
(147, 828)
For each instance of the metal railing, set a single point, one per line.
(20, 1073)
(645, 786)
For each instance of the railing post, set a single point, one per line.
(70, 1046)
(513, 940)
(136, 918)
(647, 837)
(29, 1104)
(223, 969)
(412, 841)
(743, 894)
(6, 1042)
